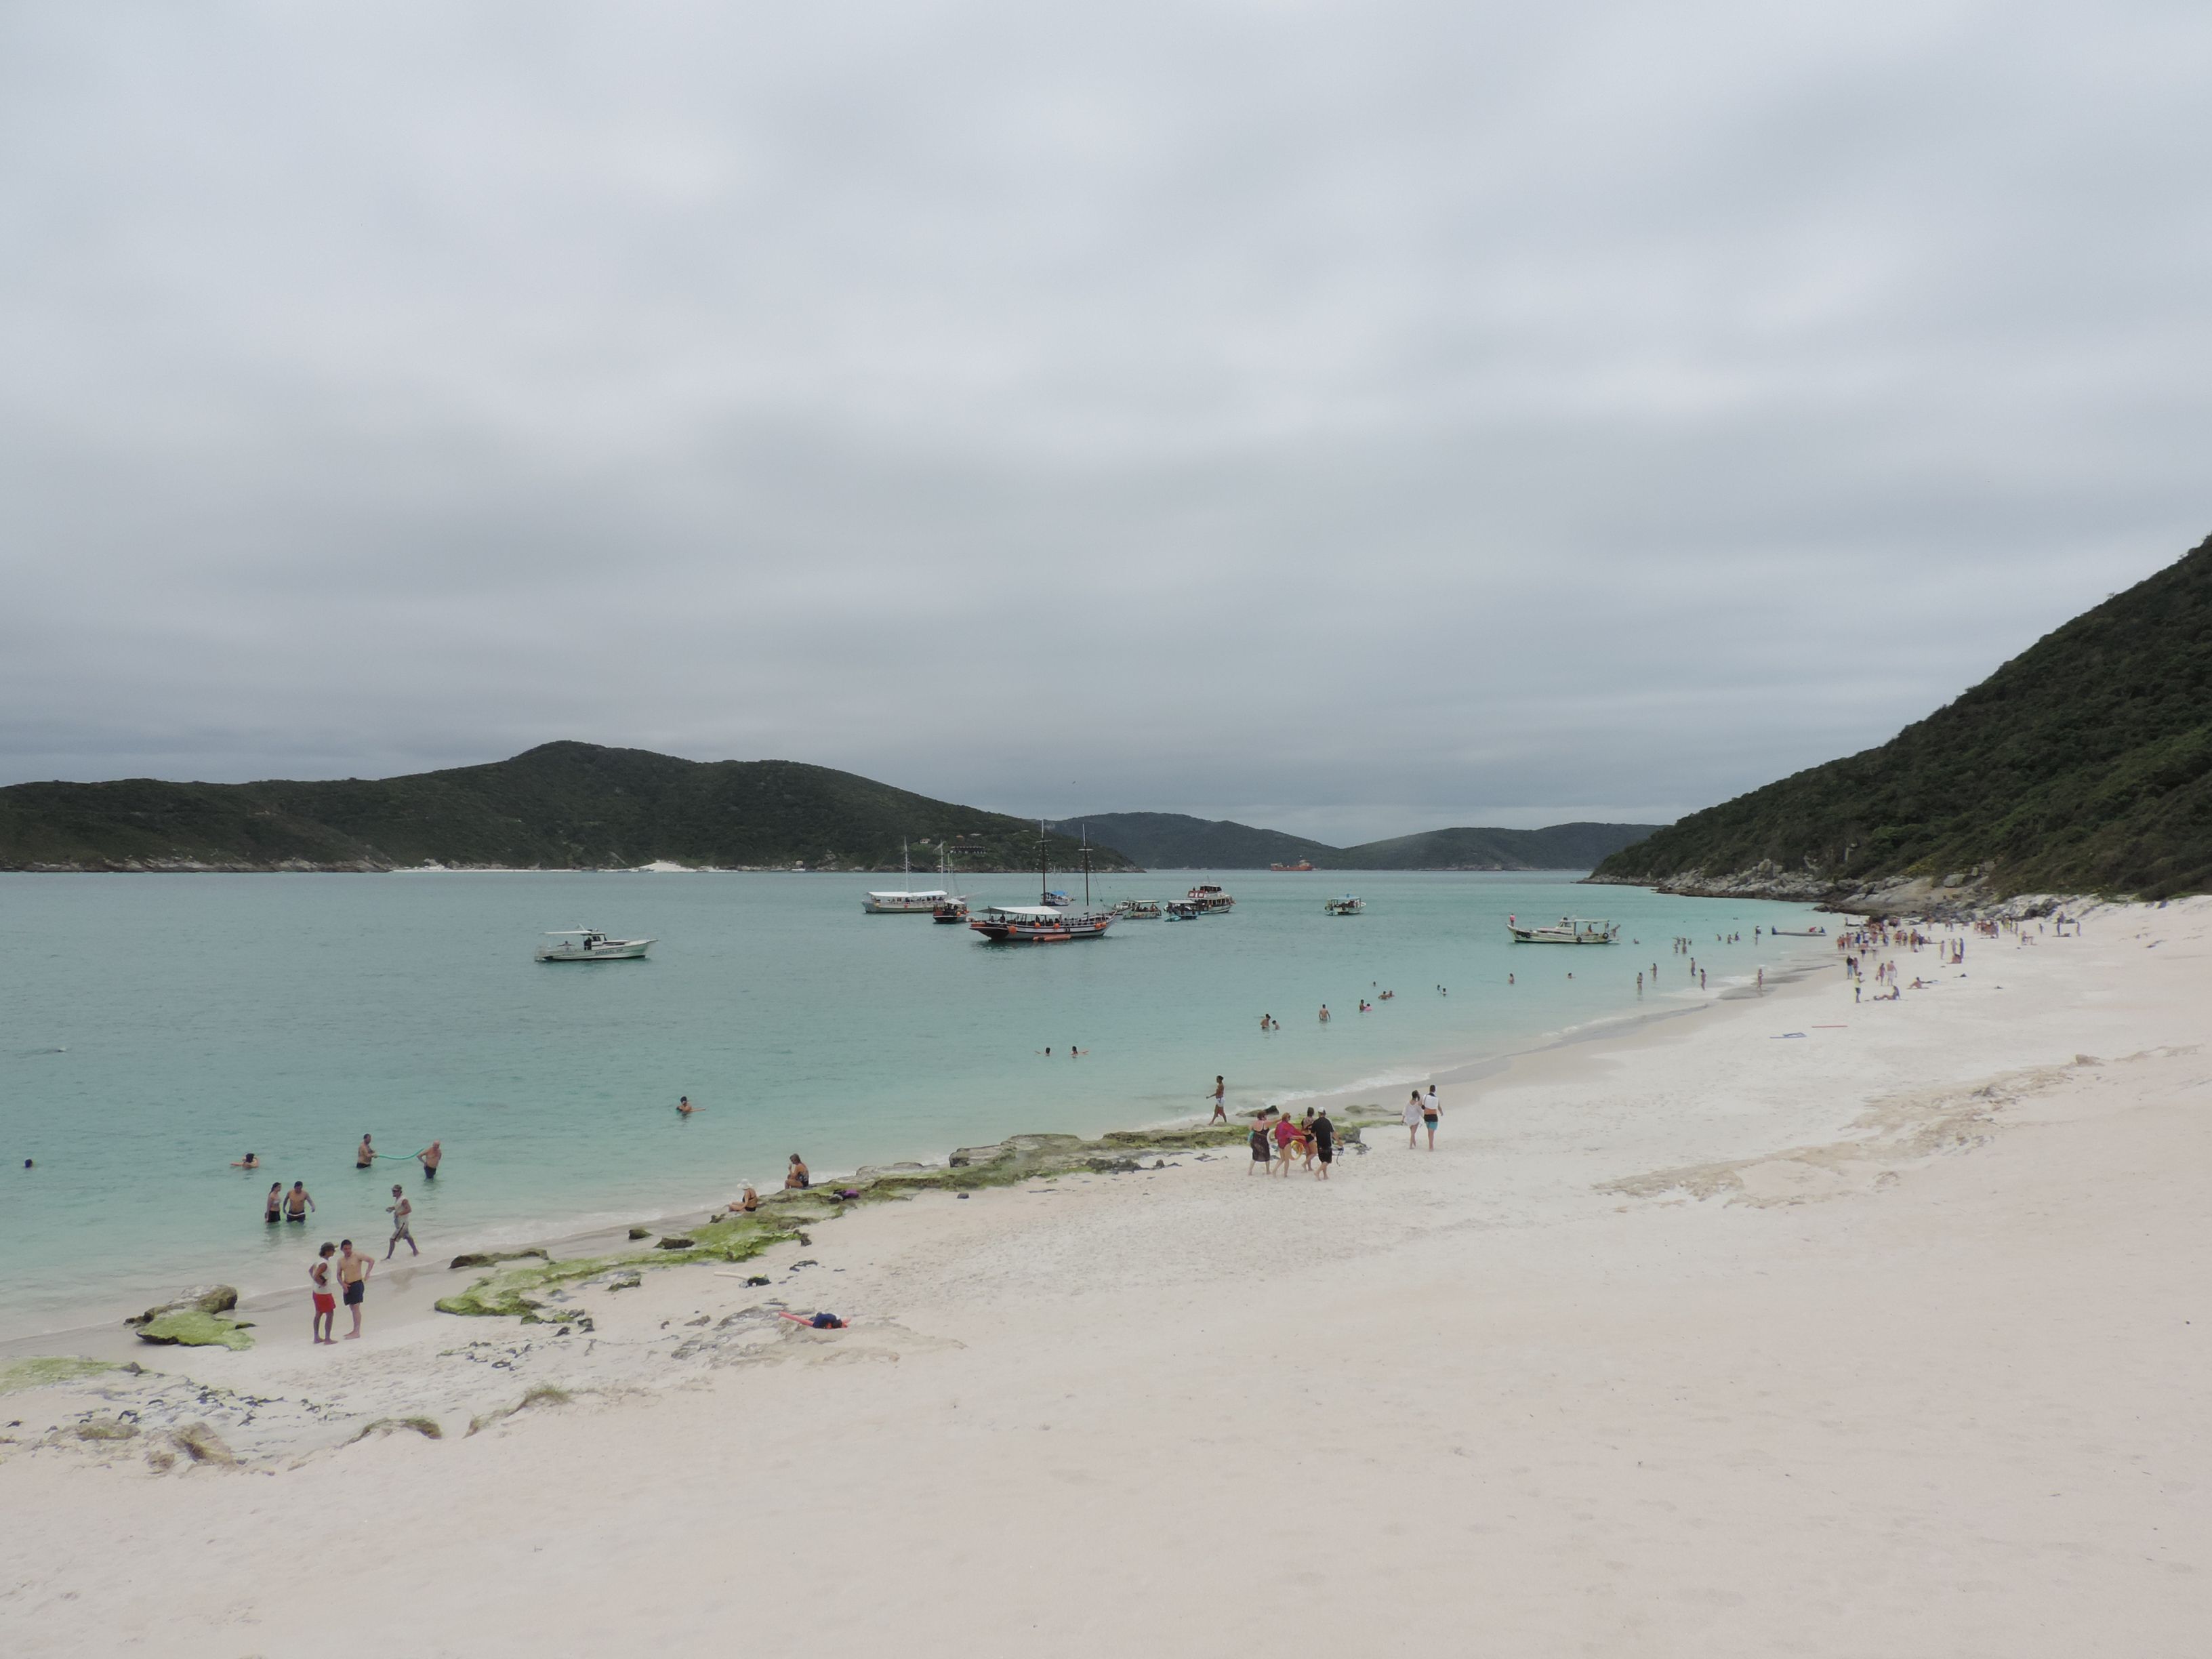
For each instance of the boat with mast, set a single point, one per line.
(1044, 922)
(905, 902)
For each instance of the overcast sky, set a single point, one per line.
(1353, 418)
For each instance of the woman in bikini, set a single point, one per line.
(796, 1177)
(275, 1212)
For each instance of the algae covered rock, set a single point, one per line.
(106, 1428)
(201, 1444)
(493, 1258)
(192, 1328)
(677, 1242)
(49, 1371)
(216, 1299)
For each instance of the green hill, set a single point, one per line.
(1172, 840)
(561, 806)
(1561, 846)
(2082, 765)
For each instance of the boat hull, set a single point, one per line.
(627, 950)
(1555, 936)
(1001, 931)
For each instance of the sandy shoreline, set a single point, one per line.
(1692, 1338)
(417, 1282)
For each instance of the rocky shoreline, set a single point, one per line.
(1963, 895)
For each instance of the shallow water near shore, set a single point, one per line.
(154, 1028)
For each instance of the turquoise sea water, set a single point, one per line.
(154, 1028)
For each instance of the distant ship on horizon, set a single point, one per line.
(1303, 864)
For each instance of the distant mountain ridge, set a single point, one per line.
(2084, 765)
(1175, 840)
(559, 806)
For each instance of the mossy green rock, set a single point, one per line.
(783, 1216)
(194, 1329)
(46, 1372)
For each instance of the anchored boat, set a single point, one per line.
(1208, 900)
(1138, 910)
(1051, 920)
(918, 902)
(1346, 906)
(1571, 930)
(587, 944)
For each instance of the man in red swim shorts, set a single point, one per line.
(327, 1301)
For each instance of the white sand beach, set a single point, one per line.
(1706, 1338)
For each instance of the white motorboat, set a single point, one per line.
(588, 944)
(1138, 909)
(1345, 906)
(1571, 930)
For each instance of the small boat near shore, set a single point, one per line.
(1798, 933)
(1345, 905)
(1571, 930)
(1138, 910)
(588, 944)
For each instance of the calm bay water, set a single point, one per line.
(154, 1028)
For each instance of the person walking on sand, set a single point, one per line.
(297, 1203)
(1260, 1154)
(401, 1209)
(1430, 1112)
(275, 1211)
(430, 1157)
(364, 1155)
(353, 1269)
(1324, 1141)
(327, 1301)
(1286, 1145)
(1220, 1109)
(1412, 1119)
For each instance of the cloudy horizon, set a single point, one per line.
(1351, 421)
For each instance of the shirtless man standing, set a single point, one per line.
(326, 1302)
(354, 1270)
(429, 1156)
(364, 1155)
(401, 1209)
(297, 1203)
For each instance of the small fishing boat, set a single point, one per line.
(588, 944)
(1345, 906)
(1209, 899)
(1138, 910)
(1571, 930)
(1799, 933)
(1182, 910)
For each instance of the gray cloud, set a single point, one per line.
(1356, 419)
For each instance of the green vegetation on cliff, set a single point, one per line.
(560, 806)
(2082, 765)
(1172, 840)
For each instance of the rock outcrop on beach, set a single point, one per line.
(2082, 766)
(559, 806)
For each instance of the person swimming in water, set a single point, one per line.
(684, 1106)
